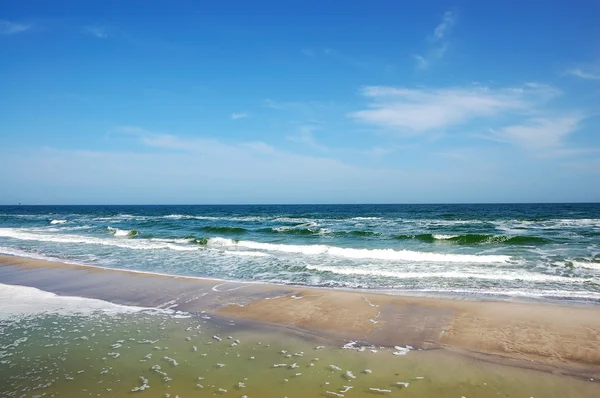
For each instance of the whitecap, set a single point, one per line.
(381, 254)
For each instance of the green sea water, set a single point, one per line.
(159, 355)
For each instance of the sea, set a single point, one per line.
(548, 252)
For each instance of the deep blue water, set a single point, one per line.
(547, 251)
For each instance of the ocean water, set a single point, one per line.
(524, 251)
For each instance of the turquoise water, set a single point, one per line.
(541, 251)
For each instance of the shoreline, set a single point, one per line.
(543, 336)
(425, 294)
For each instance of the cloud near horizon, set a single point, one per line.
(167, 168)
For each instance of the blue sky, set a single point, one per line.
(144, 102)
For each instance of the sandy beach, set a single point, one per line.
(553, 338)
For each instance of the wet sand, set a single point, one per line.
(554, 338)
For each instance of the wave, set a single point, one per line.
(517, 276)
(583, 262)
(134, 244)
(362, 233)
(285, 230)
(473, 239)
(225, 230)
(188, 217)
(123, 232)
(290, 231)
(198, 241)
(54, 222)
(381, 254)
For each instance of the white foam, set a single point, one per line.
(189, 217)
(381, 254)
(121, 232)
(134, 244)
(247, 253)
(20, 253)
(512, 293)
(444, 237)
(462, 274)
(586, 265)
(18, 301)
(58, 222)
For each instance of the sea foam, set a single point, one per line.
(380, 254)
(23, 300)
(400, 274)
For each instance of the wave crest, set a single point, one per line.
(474, 239)
(381, 254)
(123, 233)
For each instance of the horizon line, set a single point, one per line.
(305, 204)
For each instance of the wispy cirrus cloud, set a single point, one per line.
(97, 31)
(578, 72)
(538, 133)
(305, 136)
(444, 27)
(437, 43)
(11, 28)
(236, 116)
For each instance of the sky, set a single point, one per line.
(230, 102)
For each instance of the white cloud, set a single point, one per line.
(198, 170)
(583, 74)
(11, 28)
(236, 116)
(421, 62)
(305, 136)
(181, 169)
(99, 32)
(515, 115)
(438, 45)
(411, 111)
(538, 133)
(444, 27)
(193, 145)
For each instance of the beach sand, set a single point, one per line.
(522, 341)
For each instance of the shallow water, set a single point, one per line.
(113, 355)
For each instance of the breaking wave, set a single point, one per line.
(476, 239)
(381, 254)
(124, 233)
